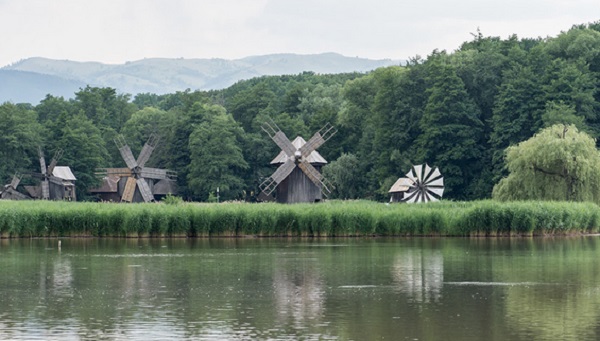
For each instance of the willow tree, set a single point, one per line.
(558, 163)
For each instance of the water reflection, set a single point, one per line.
(567, 308)
(545, 315)
(62, 277)
(455, 289)
(299, 292)
(420, 274)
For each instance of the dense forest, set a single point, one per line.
(458, 111)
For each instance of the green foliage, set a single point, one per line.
(561, 113)
(558, 163)
(452, 132)
(345, 176)
(84, 151)
(20, 136)
(172, 200)
(216, 156)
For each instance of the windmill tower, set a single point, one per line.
(56, 182)
(298, 177)
(135, 183)
(421, 184)
(10, 190)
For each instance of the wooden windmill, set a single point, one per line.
(136, 183)
(56, 182)
(10, 190)
(298, 177)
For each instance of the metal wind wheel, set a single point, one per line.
(427, 184)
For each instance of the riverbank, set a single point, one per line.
(327, 219)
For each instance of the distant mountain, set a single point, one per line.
(31, 79)
(31, 87)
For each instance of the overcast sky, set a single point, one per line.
(116, 31)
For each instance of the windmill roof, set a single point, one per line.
(164, 187)
(401, 185)
(63, 172)
(34, 191)
(298, 142)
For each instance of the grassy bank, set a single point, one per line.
(335, 218)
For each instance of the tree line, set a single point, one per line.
(458, 111)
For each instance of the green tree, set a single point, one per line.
(249, 103)
(452, 132)
(84, 152)
(517, 111)
(561, 113)
(149, 121)
(558, 163)
(20, 138)
(355, 110)
(51, 107)
(346, 177)
(104, 106)
(216, 158)
(573, 84)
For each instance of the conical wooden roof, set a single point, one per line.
(401, 185)
(298, 142)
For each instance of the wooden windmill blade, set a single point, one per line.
(125, 151)
(145, 191)
(54, 161)
(279, 137)
(284, 143)
(315, 142)
(171, 175)
(43, 167)
(147, 150)
(326, 187)
(318, 139)
(311, 172)
(129, 190)
(13, 194)
(282, 172)
(45, 186)
(15, 181)
(122, 172)
(153, 173)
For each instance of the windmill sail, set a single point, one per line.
(139, 178)
(427, 184)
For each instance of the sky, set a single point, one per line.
(117, 31)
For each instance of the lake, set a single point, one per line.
(301, 289)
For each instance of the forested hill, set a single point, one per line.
(458, 111)
(162, 75)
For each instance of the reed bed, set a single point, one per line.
(327, 219)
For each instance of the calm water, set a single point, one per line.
(287, 289)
